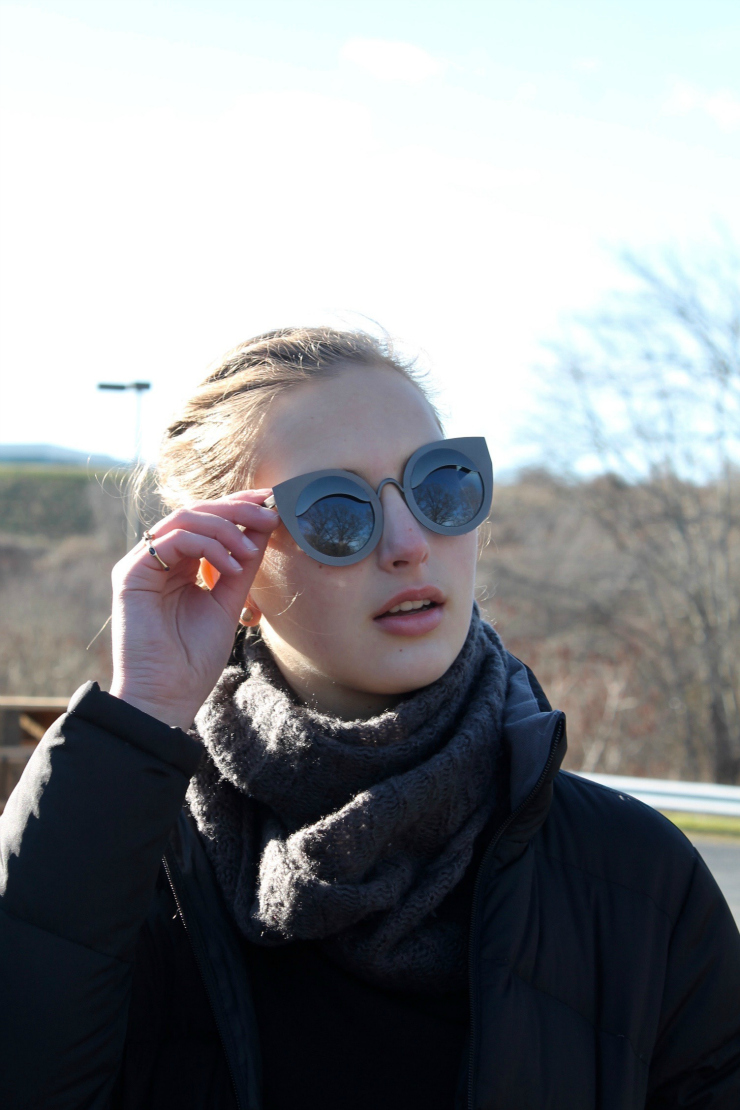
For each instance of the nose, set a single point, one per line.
(404, 542)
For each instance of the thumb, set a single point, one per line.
(230, 590)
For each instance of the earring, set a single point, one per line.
(249, 618)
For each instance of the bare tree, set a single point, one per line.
(649, 394)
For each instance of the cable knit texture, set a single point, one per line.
(352, 833)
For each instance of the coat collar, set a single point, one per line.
(535, 739)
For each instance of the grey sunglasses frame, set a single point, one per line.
(285, 497)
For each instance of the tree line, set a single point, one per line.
(629, 566)
(614, 571)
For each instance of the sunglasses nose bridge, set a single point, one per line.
(391, 482)
(402, 491)
(388, 481)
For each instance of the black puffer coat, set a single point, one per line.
(604, 962)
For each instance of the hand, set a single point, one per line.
(171, 638)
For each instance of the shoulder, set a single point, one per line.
(619, 842)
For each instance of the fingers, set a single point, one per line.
(229, 533)
(230, 590)
(180, 546)
(217, 528)
(241, 497)
(219, 519)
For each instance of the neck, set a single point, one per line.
(322, 693)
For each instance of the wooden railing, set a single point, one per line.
(23, 721)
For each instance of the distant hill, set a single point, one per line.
(46, 454)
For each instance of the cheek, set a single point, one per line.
(290, 578)
(458, 555)
(280, 580)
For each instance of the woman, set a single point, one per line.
(381, 891)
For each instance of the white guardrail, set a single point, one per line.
(680, 797)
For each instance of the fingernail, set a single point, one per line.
(234, 564)
(248, 546)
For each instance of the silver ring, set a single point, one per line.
(153, 551)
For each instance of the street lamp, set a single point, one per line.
(139, 388)
(132, 521)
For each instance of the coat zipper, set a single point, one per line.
(476, 891)
(200, 962)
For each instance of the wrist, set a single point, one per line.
(176, 716)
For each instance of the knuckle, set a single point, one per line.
(165, 524)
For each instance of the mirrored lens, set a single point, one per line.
(450, 496)
(337, 525)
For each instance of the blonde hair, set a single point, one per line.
(208, 450)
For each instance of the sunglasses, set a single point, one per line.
(337, 519)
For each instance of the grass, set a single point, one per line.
(711, 823)
(50, 501)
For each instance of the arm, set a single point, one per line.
(696, 1063)
(83, 832)
(80, 844)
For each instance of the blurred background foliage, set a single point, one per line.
(47, 502)
(617, 568)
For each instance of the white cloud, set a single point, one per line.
(684, 98)
(526, 93)
(392, 61)
(724, 109)
(587, 65)
(721, 107)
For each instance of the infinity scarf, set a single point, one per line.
(352, 833)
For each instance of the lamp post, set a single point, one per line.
(132, 522)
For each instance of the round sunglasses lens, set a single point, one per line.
(450, 496)
(337, 525)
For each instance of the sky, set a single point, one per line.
(180, 176)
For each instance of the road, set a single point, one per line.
(722, 855)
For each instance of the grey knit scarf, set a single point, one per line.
(352, 833)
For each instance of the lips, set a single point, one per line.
(410, 602)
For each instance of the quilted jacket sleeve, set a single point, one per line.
(696, 1063)
(80, 843)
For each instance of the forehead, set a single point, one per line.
(369, 420)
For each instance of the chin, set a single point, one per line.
(406, 675)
